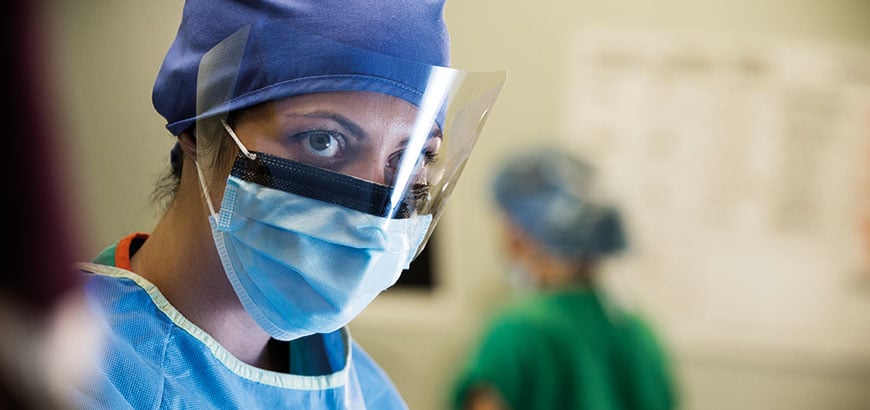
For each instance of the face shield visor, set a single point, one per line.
(379, 135)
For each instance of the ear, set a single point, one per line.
(187, 142)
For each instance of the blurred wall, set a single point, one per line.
(108, 54)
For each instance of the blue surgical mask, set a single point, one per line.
(302, 265)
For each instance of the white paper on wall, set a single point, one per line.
(743, 169)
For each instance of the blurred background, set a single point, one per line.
(735, 134)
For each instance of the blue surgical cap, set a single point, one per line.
(303, 46)
(548, 194)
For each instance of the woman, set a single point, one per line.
(316, 144)
(564, 345)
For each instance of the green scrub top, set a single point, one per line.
(569, 350)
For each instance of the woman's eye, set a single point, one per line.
(424, 159)
(321, 143)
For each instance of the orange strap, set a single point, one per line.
(122, 251)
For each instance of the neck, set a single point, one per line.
(181, 259)
(560, 273)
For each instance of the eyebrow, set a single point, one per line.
(345, 122)
(353, 127)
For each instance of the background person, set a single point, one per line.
(316, 141)
(563, 344)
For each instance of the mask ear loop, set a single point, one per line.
(202, 184)
(201, 175)
(235, 138)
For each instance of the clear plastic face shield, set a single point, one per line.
(359, 139)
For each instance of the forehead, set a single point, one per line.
(361, 106)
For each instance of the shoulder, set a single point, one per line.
(120, 296)
(636, 333)
(520, 327)
(630, 323)
(524, 314)
(134, 339)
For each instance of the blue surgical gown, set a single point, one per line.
(154, 358)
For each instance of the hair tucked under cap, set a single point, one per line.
(548, 195)
(299, 46)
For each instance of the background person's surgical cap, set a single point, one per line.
(302, 46)
(548, 194)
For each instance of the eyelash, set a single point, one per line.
(431, 155)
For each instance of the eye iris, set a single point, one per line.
(321, 142)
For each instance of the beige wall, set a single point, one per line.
(108, 53)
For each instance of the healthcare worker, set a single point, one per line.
(563, 344)
(317, 142)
